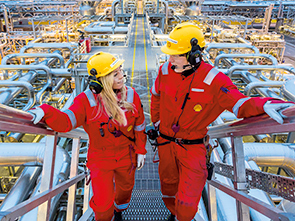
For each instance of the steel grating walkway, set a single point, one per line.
(146, 202)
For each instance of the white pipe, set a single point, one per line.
(22, 187)
(105, 27)
(226, 205)
(267, 154)
(231, 46)
(32, 67)
(114, 3)
(259, 194)
(265, 92)
(260, 67)
(271, 154)
(259, 84)
(33, 154)
(69, 46)
(288, 89)
(166, 14)
(267, 56)
(36, 55)
(7, 96)
(287, 206)
(201, 215)
(226, 146)
(22, 84)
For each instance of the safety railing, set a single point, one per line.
(251, 126)
(18, 121)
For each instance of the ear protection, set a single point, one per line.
(94, 84)
(194, 57)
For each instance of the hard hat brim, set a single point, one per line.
(169, 51)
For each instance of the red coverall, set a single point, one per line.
(183, 172)
(109, 159)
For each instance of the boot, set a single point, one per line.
(118, 216)
(171, 217)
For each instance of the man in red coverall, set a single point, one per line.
(187, 96)
(112, 115)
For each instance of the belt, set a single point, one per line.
(182, 141)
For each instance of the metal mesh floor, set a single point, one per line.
(146, 202)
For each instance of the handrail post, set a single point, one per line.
(87, 192)
(87, 195)
(240, 176)
(71, 207)
(47, 175)
(212, 203)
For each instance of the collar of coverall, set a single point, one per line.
(187, 73)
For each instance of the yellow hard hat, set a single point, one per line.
(179, 39)
(102, 63)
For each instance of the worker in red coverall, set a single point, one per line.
(112, 115)
(187, 96)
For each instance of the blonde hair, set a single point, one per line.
(110, 103)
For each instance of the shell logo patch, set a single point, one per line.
(129, 128)
(198, 108)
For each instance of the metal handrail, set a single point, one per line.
(19, 121)
(16, 118)
(260, 206)
(35, 201)
(251, 126)
(262, 124)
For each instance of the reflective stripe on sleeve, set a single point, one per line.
(72, 117)
(210, 76)
(165, 68)
(154, 91)
(239, 104)
(90, 97)
(140, 127)
(130, 94)
(166, 196)
(122, 206)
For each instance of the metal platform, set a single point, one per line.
(146, 202)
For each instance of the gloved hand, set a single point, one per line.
(274, 110)
(37, 113)
(140, 161)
